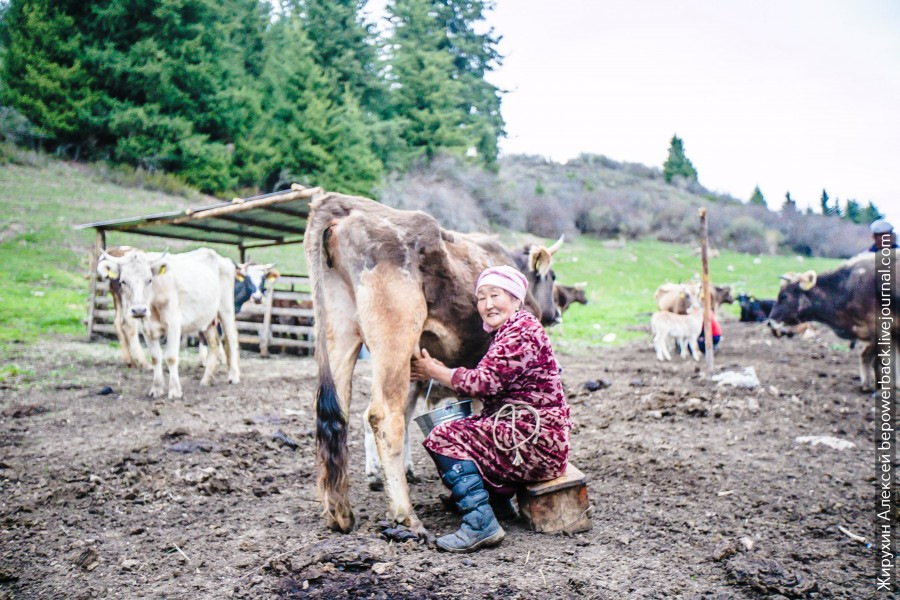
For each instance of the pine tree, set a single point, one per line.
(310, 138)
(757, 198)
(790, 206)
(43, 74)
(826, 208)
(870, 213)
(677, 164)
(852, 212)
(425, 103)
(344, 43)
(474, 54)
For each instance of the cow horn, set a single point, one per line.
(808, 281)
(556, 245)
(268, 266)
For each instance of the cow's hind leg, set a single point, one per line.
(212, 357)
(392, 313)
(173, 347)
(343, 343)
(867, 367)
(158, 388)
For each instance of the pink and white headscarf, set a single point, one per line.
(505, 278)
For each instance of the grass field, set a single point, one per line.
(44, 260)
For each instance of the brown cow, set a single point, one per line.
(398, 282)
(677, 297)
(847, 300)
(565, 295)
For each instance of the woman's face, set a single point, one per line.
(496, 305)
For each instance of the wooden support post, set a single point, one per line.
(707, 304)
(242, 253)
(100, 244)
(265, 333)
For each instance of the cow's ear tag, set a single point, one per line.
(682, 295)
(239, 277)
(271, 278)
(162, 270)
(807, 285)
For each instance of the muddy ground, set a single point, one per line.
(698, 490)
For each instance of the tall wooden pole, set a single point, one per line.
(707, 304)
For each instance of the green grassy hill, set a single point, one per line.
(44, 260)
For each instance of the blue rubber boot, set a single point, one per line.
(479, 527)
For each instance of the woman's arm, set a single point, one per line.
(426, 367)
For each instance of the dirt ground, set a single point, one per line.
(698, 490)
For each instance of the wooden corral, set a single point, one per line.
(284, 320)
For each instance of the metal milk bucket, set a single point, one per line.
(448, 412)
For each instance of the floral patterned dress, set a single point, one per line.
(519, 368)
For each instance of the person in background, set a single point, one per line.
(522, 434)
(716, 334)
(882, 235)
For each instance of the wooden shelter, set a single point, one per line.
(285, 317)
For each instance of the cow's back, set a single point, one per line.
(199, 282)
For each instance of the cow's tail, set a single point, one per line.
(331, 423)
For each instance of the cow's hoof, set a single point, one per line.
(205, 382)
(175, 395)
(234, 380)
(156, 392)
(411, 477)
(376, 485)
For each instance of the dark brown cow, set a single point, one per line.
(847, 300)
(565, 295)
(398, 282)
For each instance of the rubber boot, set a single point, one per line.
(479, 527)
(503, 506)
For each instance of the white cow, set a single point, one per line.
(174, 295)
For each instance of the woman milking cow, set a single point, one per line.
(522, 435)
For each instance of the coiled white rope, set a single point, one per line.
(512, 409)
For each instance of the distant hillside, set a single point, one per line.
(600, 197)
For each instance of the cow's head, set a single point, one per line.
(253, 278)
(723, 294)
(793, 299)
(535, 262)
(135, 273)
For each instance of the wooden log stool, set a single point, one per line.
(558, 505)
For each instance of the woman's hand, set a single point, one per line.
(424, 367)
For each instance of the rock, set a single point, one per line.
(752, 404)
(724, 550)
(88, 559)
(105, 391)
(746, 543)
(592, 385)
(696, 407)
(825, 440)
(191, 446)
(279, 436)
(655, 414)
(380, 568)
(769, 577)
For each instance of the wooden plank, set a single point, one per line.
(572, 477)
(248, 325)
(295, 329)
(105, 314)
(103, 301)
(293, 280)
(94, 257)
(247, 339)
(103, 286)
(293, 343)
(293, 312)
(267, 322)
(104, 328)
(296, 296)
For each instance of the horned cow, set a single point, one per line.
(396, 281)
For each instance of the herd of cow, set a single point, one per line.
(398, 282)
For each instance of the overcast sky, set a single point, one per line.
(795, 95)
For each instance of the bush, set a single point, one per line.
(745, 234)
